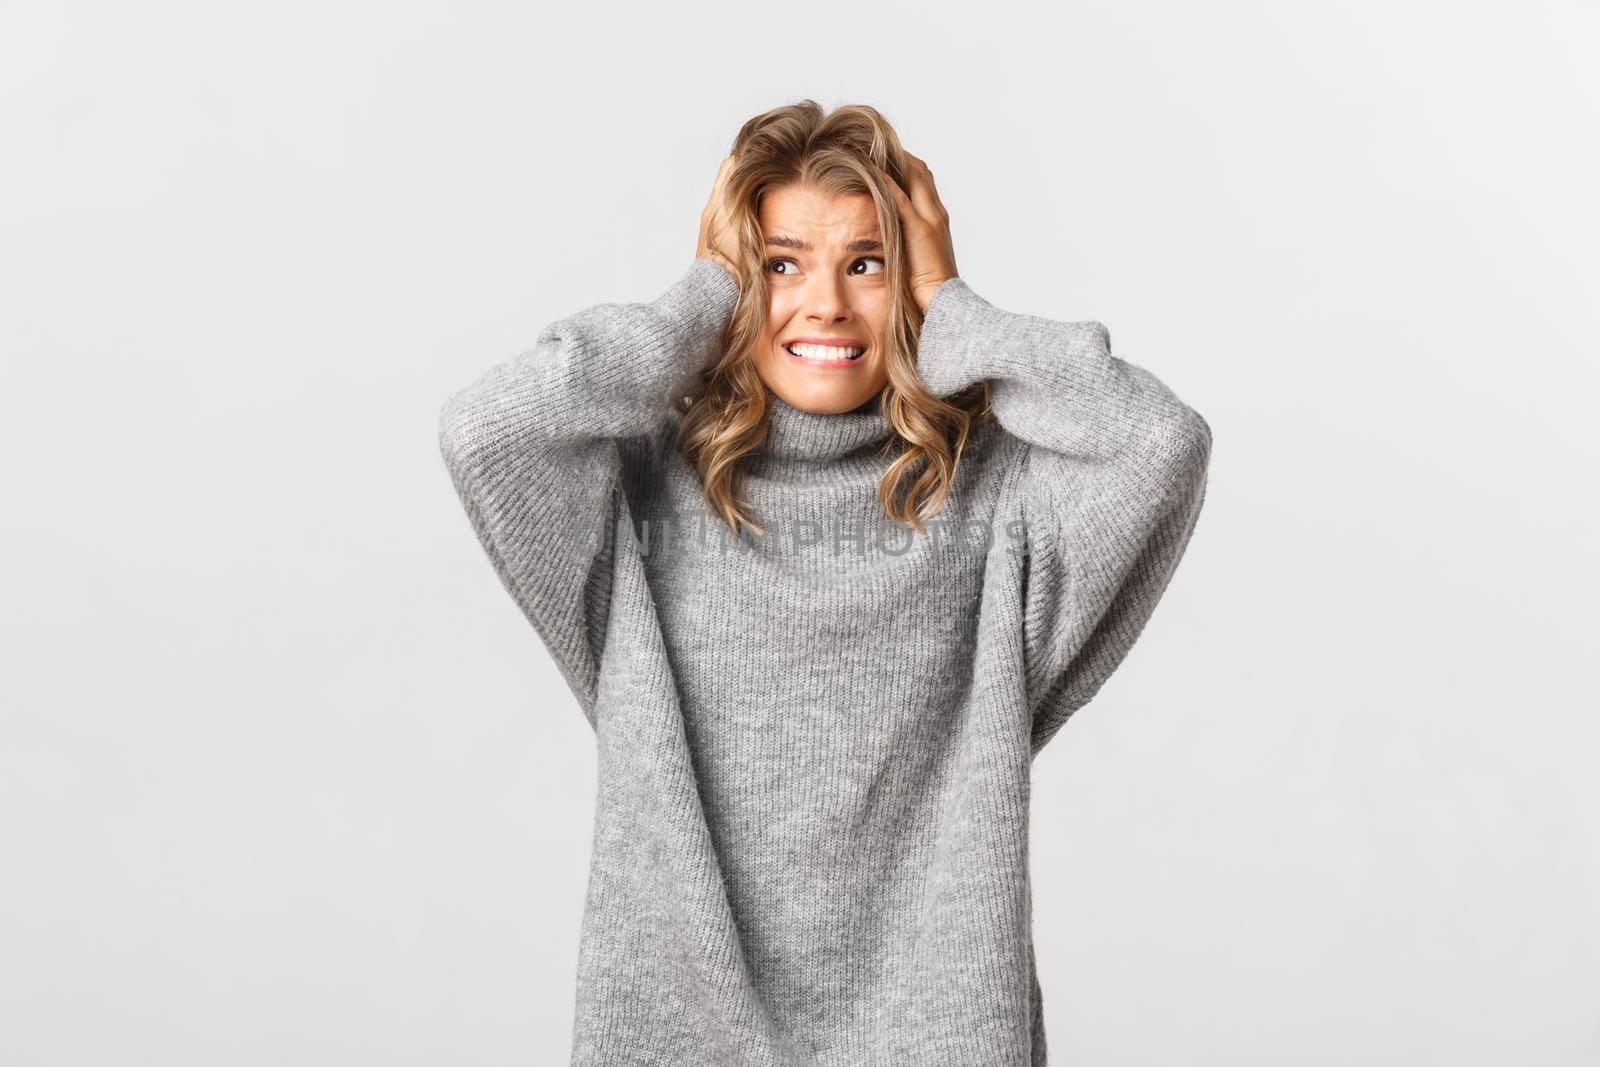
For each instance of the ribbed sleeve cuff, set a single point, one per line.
(948, 355)
(698, 304)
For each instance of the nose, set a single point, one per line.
(827, 299)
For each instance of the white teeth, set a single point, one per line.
(824, 351)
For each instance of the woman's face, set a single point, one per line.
(825, 273)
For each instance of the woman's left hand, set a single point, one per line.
(932, 257)
(715, 227)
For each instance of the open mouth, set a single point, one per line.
(825, 353)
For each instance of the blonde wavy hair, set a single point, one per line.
(851, 150)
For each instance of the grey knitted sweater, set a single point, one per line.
(814, 744)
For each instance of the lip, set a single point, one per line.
(842, 342)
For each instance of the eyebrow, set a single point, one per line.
(863, 244)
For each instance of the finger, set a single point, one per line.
(718, 205)
(908, 209)
(933, 191)
(723, 170)
(923, 193)
(927, 176)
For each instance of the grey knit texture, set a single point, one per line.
(814, 745)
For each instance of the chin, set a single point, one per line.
(823, 400)
(819, 391)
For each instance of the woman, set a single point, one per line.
(822, 607)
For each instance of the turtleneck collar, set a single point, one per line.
(795, 435)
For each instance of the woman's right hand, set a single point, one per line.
(716, 230)
(930, 254)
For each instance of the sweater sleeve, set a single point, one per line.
(533, 450)
(1114, 478)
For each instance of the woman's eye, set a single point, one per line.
(772, 265)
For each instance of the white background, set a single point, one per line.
(286, 779)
